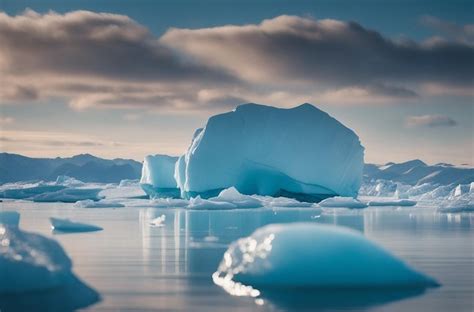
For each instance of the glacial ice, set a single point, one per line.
(269, 201)
(158, 176)
(392, 202)
(204, 204)
(30, 261)
(158, 222)
(461, 200)
(311, 255)
(10, 218)
(88, 203)
(66, 225)
(342, 202)
(35, 274)
(231, 195)
(68, 195)
(65, 189)
(68, 181)
(300, 152)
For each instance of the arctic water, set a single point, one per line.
(139, 266)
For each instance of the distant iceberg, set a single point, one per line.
(305, 255)
(392, 202)
(66, 225)
(342, 202)
(301, 153)
(88, 203)
(65, 189)
(158, 176)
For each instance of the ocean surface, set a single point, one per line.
(138, 267)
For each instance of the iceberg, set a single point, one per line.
(36, 272)
(20, 191)
(392, 202)
(49, 192)
(66, 225)
(68, 195)
(10, 218)
(460, 203)
(31, 262)
(281, 202)
(68, 181)
(198, 203)
(307, 255)
(301, 153)
(88, 203)
(342, 202)
(158, 176)
(158, 222)
(231, 195)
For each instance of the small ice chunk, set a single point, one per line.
(66, 225)
(231, 195)
(345, 202)
(128, 183)
(9, 218)
(283, 202)
(392, 202)
(311, 255)
(88, 203)
(158, 222)
(169, 202)
(205, 204)
(68, 181)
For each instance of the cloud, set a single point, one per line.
(430, 121)
(95, 59)
(463, 33)
(327, 53)
(6, 120)
(109, 61)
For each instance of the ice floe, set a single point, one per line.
(342, 202)
(66, 225)
(392, 202)
(88, 203)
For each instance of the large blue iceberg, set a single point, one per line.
(300, 152)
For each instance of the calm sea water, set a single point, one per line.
(136, 267)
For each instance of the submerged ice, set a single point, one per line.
(311, 255)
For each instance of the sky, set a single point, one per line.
(130, 78)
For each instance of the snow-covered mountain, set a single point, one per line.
(84, 167)
(416, 172)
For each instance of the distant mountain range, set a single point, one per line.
(416, 172)
(84, 167)
(89, 168)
